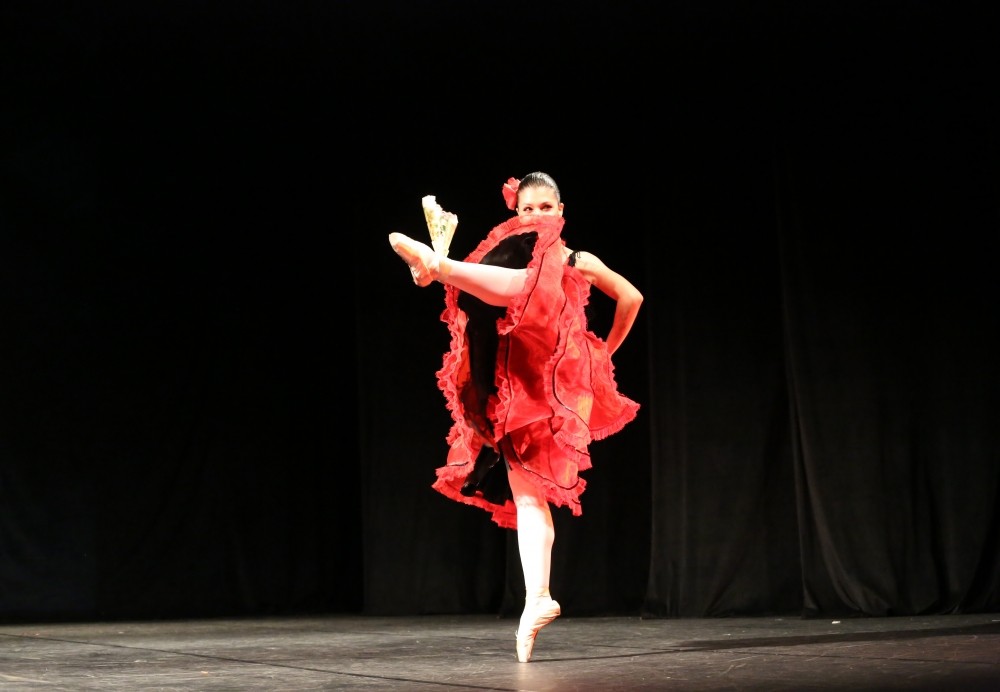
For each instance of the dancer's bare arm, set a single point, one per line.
(626, 296)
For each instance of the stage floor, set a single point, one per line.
(438, 653)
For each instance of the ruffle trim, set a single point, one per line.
(559, 496)
(451, 478)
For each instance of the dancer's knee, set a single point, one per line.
(530, 502)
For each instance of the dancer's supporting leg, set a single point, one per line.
(491, 284)
(535, 535)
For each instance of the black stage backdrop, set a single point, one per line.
(217, 382)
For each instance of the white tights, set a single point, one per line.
(535, 534)
(491, 284)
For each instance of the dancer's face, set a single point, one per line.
(538, 201)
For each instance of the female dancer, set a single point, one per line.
(525, 380)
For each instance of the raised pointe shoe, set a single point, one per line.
(421, 259)
(542, 613)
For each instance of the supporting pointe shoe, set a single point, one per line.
(424, 263)
(543, 612)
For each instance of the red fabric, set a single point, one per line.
(555, 379)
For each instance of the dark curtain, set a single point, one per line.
(825, 385)
(217, 382)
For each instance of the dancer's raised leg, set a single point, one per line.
(491, 284)
(535, 536)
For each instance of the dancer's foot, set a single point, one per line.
(424, 263)
(536, 616)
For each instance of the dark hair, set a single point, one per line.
(539, 179)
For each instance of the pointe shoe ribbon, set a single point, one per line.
(541, 613)
(424, 263)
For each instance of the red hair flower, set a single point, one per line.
(510, 192)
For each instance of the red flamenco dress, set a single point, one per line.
(528, 384)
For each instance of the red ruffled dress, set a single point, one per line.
(554, 388)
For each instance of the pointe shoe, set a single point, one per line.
(423, 262)
(541, 613)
